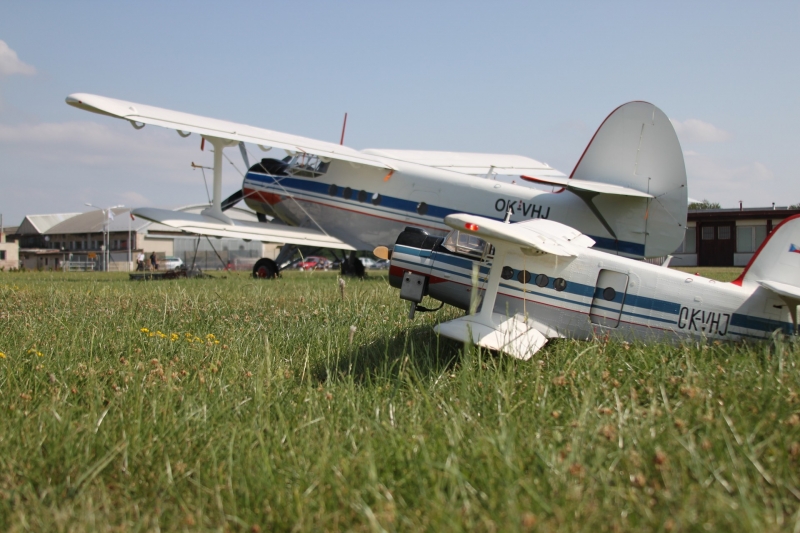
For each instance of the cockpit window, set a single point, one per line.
(465, 244)
(307, 166)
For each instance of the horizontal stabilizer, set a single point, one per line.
(540, 235)
(222, 129)
(788, 292)
(510, 335)
(589, 186)
(256, 231)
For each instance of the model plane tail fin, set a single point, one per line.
(776, 265)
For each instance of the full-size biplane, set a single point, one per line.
(628, 190)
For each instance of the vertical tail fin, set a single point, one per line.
(778, 258)
(636, 147)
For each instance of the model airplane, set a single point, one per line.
(628, 190)
(537, 280)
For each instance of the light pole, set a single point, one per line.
(106, 212)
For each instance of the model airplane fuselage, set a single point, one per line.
(543, 280)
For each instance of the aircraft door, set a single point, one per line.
(609, 296)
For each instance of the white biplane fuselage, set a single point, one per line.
(366, 210)
(545, 281)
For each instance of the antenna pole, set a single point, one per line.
(341, 141)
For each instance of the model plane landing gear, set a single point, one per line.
(266, 268)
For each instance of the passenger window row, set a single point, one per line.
(541, 280)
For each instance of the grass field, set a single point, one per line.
(231, 404)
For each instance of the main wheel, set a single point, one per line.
(352, 266)
(265, 268)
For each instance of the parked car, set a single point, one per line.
(314, 262)
(369, 263)
(171, 263)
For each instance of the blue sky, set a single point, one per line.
(529, 78)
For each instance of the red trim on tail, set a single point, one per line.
(738, 281)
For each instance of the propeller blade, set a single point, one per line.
(232, 200)
(244, 155)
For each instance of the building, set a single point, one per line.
(727, 237)
(9, 252)
(78, 242)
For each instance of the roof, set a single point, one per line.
(93, 222)
(38, 224)
(747, 213)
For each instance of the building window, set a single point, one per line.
(749, 238)
(708, 233)
(724, 233)
(2, 255)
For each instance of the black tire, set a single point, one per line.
(355, 268)
(265, 269)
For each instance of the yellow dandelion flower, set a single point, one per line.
(152, 334)
(144, 330)
(210, 336)
(40, 354)
(2, 355)
(216, 342)
(160, 335)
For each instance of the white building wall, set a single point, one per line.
(11, 252)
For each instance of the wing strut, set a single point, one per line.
(215, 209)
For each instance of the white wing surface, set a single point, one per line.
(477, 164)
(188, 123)
(256, 231)
(540, 235)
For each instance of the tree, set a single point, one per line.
(705, 204)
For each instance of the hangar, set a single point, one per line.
(75, 241)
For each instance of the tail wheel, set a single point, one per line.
(265, 268)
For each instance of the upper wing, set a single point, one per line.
(257, 231)
(471, 163)
(537, 236)
(223, 129)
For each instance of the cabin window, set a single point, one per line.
(422, 208)
(524, 276)
(333, 190)
(362, 196)
(559, 284)
(376, 199)
(542, 280)
(307, 166)
(507, 272)
(749, 238)
(348, 193)
(465, 244)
